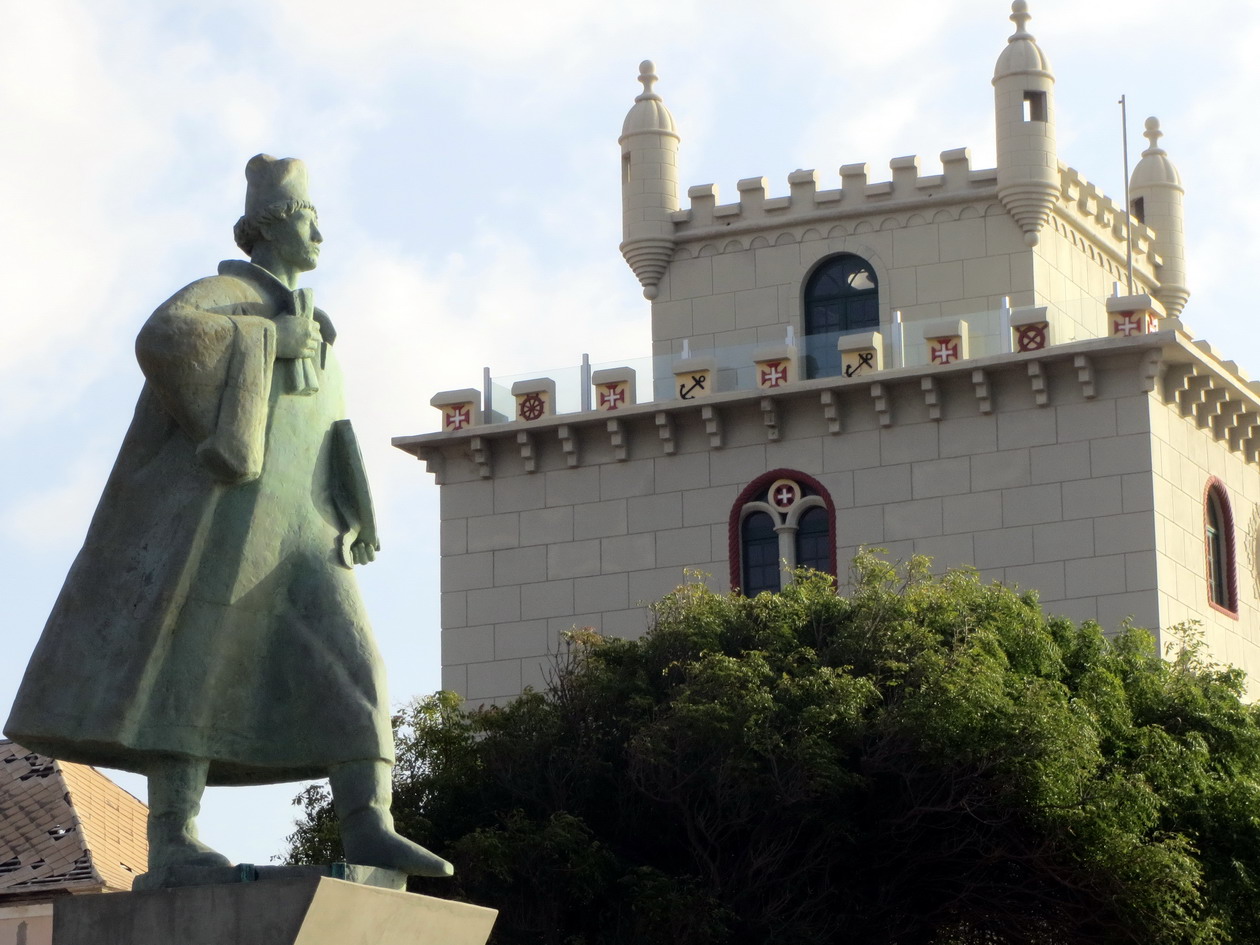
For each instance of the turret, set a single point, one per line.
(1027, 164)
(1157, 200)
(649, 184)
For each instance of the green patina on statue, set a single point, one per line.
(211, 630)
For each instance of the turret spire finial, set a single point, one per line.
(647, 75)
(1020, 17)
(1153, 134)
(649, 184)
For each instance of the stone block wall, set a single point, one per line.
(1186, 457)
(1042, 473)
(1054, 498)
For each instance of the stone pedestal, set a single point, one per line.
(306, 910)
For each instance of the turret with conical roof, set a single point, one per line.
(1027, 163)
(649, 184)
(1157, 200)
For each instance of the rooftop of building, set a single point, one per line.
(65, 828)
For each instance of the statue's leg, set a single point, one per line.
(175, 789)
(361, 797)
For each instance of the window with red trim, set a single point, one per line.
(1218, 545)
(784, 519)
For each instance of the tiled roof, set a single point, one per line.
(65, 827)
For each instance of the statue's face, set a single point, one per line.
(296, 239)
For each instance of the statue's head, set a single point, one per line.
(278, 211)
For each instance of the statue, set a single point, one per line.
(211, 630)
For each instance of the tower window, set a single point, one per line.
(841, 296)
(1218, 546)
(1138, 210)
(1034, 105)
(784, 519)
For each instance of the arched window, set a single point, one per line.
(1218, 546)
(841, 296)
(761, 553)
(814, 547)
(784, 519)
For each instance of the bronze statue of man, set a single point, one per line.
(211, 630)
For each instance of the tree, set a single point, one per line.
(923, 761)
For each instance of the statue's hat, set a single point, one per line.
(270, 181)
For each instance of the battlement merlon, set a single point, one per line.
(1083, 206)
(1080, 204)
(856, 196)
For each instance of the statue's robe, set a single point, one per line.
(210, 613)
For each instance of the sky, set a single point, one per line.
(464, 160)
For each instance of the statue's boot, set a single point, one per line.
(175, 789)
(361, 793)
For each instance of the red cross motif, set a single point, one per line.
(1032, 337)
(532, 407)
(1129, 323)
(458, 418)
(944, 351)
(784, 494)
(773, 373)
(612, 396)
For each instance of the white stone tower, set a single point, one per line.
(649, 184)
(1027, 164)
(1158, 201)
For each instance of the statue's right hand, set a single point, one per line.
(297, 337)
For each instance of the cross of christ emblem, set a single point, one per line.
(458, 418)
(783, 494)
(773, 373)
(1130, 323)
(944, 351)
(612, 396)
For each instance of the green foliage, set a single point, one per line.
(926, 761)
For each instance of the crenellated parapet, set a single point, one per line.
(1082, 205)
(1083, 208)
(1188, 374)
(857, 195)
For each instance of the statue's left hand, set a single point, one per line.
(365, 546)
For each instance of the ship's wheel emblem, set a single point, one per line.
(1032, 337)
(532, 407)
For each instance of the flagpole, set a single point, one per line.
(1128, 204)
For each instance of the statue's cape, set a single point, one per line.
(209, 612)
